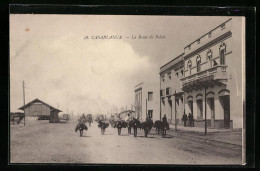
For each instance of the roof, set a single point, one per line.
(37, 100)
(126, 111)
(172, 63)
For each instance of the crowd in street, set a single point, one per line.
(128, 122)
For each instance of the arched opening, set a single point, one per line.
(211, 104)
(199, 101)
(224, 98)
(190, 104)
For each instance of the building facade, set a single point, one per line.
(212, 80)
(171, 94)
(38, 107)
(147, 101)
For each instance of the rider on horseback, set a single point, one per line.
(81, 123)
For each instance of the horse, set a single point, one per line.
(147, 126)
(103, 125)
(161, 126)
(157, 126)
(81, 126)
(134, 123)
(119, 125)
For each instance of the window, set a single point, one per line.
(222, 57)
(222, 50)
(150, 96)
(162, 92)
(150, 113)
(199, 109)
(189, 65)
(198, 63)
(168, 91)
(209, 57)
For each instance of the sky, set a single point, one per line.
(60, 67)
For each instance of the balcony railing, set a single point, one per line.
(215, 73)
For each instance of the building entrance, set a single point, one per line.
(212, 111)
(190, 104)
(225, 102)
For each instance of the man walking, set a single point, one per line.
(184, 119)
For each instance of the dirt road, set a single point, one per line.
(42, 142)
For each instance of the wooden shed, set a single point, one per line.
(38, 107)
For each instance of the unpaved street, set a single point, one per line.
(42, 142)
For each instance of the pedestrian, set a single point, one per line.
(184, 119)
(165, 125)
(164, 119)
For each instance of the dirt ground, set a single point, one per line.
(44, 142)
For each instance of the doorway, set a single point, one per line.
(190, 104)
(225, 102)
(212, 111)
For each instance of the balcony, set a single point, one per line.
(214, 75)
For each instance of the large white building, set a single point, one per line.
(212, 77)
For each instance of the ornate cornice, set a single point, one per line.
(227, 34)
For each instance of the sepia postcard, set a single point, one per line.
(127, 89)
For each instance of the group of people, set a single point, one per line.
(189, 118)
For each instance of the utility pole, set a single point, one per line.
(146, 107)
(175, 111)
(160, 100)
(24, 102)
(205, 111)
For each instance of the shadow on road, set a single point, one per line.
(169, 137)
(145, 137)
(85, 136)
(123, 135)
(107, 134)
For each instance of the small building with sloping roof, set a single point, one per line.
(38, 107)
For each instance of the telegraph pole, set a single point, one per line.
(175, 111)
(205, 111)
(23, 103)
(146, 107)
